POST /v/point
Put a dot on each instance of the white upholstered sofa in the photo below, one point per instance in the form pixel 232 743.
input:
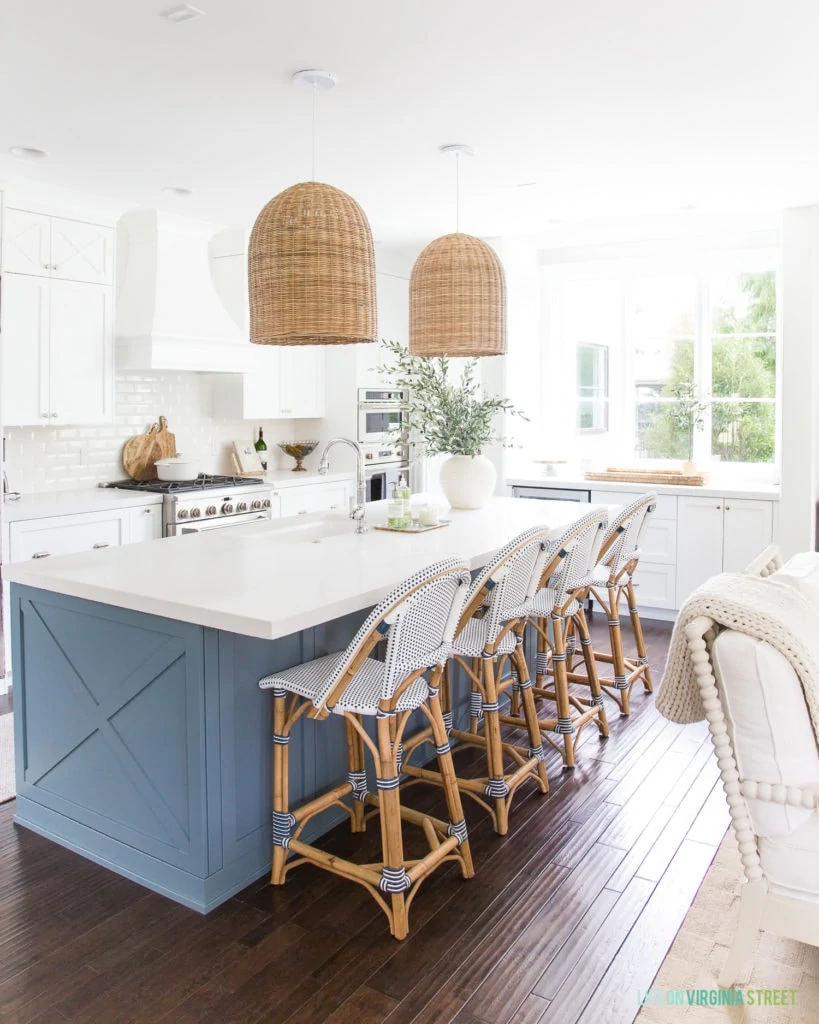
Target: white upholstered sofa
pixel 768 757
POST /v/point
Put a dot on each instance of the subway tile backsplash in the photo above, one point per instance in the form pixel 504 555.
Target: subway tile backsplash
pixel 65 458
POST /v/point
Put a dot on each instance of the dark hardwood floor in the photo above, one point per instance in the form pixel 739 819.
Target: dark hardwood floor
pixel 567 917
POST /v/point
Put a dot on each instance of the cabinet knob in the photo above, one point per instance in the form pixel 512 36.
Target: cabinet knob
pixel 102 544
pixel 53 415
pixel 41 554
pixel 727 508
pixel 147 511
pixel 302 512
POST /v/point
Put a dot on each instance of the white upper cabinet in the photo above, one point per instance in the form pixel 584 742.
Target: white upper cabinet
pixel 56 247
pixel 24 331
pixel 287 383
pixel 81 340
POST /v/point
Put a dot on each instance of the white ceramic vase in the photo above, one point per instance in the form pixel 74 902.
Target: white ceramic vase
pixel 689 467
pixel 468 482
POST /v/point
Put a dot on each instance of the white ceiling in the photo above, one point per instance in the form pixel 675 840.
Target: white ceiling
pixel 611 108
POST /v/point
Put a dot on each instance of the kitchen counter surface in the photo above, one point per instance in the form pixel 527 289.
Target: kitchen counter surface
pixel 712 489
pixel 274 578
pixel 287 478
pixel 63 503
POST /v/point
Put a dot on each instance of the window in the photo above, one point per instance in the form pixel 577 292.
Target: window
pixel 674 358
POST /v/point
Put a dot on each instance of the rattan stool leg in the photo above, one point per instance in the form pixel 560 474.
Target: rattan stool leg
pixel 637 629
pixel 394 882
pixel 449 782
pixel 542 661
pixel 497 788
pixel 618 659
pixel 530 715
pixel 591 672
pixel 564 725
pixel 280 785
pixel 356 768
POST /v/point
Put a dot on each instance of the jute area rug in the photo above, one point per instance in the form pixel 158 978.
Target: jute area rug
pixel 7 788
pixel 699 950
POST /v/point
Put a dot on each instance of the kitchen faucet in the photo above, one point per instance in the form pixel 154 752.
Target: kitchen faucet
pixel 356 510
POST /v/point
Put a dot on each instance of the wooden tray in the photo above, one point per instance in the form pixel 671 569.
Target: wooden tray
pixel 415 528
pixel 140 453
pixel 674 477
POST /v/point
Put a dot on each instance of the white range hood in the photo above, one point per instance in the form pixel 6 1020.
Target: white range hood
pixel 168 313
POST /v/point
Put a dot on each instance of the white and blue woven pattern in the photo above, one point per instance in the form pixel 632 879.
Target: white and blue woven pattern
pixel 627 530
pixel 579 547
pixel 474 638
pixel 418 619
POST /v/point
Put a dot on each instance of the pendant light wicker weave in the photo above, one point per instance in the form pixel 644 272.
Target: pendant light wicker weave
pixel 311 270
pixel 457 299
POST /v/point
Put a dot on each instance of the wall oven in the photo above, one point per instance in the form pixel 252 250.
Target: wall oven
pixel 382 414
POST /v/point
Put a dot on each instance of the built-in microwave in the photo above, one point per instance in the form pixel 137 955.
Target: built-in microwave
pixel 382 414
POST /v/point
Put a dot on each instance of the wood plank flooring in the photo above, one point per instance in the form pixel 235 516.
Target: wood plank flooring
pixel 567 917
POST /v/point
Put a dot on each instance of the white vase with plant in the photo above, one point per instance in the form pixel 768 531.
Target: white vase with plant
pixel 686 414
pixel 450 417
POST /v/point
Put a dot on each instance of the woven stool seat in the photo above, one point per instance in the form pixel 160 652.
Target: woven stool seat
pixel 471 642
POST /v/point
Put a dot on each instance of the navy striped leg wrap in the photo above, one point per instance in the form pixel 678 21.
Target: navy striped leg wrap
pixel 493 706
pixel 280 740
pixel 278 691
pixel 571 644
pixel 620 683
pixel 443 750
pixel 558 657
pixel 358 780
pixel 394 880
pixel 542 663
pixel 597 700
pixel 537 752
pixel 642 662
pixel 634 611
pixel 564 727
pixel 458 829
pixel 475 705
pixel 496 788
pixel 447 717
pixel 586 641
pixel 399 755
pixel 614 622
pixel 432 691
pixel 283 824
pixel 391 783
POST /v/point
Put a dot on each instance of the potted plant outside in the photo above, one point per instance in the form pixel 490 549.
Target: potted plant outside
pixel 451 417
pixel 686 414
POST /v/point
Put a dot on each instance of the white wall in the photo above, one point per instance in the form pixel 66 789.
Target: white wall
pixel 62 458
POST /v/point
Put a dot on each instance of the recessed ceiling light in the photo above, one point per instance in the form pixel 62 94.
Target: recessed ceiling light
pixel 183 12
pixel 173 190
pixel 27 153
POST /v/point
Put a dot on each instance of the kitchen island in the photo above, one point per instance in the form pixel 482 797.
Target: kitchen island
pixel 142 740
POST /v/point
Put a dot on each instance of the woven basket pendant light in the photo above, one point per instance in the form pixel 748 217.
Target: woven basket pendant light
pixel 457 293
pixel 311 262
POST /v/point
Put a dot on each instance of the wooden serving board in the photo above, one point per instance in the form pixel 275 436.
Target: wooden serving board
pixel 415 528
pixel 141 453
pixel 647 477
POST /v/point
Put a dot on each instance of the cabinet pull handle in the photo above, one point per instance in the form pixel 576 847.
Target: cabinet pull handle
pixel 333 506
pixel 41 554
pixel 302 512
pixel 146 511
pixel 727 508
pixel 102 544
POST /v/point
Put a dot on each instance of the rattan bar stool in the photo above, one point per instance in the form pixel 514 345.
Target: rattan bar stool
pixel 485 642
pixel 418 622
pixel 558 603
pixel 610 581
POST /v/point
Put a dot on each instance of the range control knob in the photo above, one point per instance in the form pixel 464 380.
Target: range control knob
pixel 266 503
pixel 255 504
pixel 196 513
pixel 210 510
pixel 227 508
pixel 182 514
pixel 242 506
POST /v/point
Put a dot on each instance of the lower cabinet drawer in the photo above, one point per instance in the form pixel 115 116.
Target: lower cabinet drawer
pixel 659 542
pixel 65 535
pixel 655 586
pixel 299 501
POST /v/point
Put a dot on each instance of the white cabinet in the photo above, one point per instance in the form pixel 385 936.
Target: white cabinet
pixel 287 383
pixel 329 497
pixel 57 247
pixel 24 333
pixel 718 535
pixel 64 535
pixel 144 524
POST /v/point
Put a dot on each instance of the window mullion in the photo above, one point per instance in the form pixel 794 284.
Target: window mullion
pixel 703 349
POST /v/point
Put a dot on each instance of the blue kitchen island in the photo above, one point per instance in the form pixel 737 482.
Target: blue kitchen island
pixel 142 739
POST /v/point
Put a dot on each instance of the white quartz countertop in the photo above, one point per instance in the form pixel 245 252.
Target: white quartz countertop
pixel 259 580
pixel 287 478
pixel 712 488
pixel 64 503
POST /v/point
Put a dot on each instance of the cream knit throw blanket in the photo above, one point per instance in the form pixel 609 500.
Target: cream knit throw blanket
pixel 763 608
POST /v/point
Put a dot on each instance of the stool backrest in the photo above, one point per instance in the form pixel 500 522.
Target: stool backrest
pixel 418 619
pixel 502 585
pixel 574 554
pixel 621 545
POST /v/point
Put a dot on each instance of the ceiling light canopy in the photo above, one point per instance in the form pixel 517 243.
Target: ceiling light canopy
pixel 28 153
pixel 457 292
pixel 311 261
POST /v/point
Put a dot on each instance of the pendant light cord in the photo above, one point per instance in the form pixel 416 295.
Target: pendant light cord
pixel 458 193
pixel 315 131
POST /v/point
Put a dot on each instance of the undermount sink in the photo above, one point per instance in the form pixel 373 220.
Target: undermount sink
pixel 310 529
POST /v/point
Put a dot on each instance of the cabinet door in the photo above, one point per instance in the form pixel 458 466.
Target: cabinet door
pixel 302 382
pixel 26 242
pixel 81 251
pixel 65 535
pixel 699 543
pixel 300 501
pixel 81 351
pixel 655 585
pixel 261 387
pixel 24 316
pixel 748 530
pixel 144 523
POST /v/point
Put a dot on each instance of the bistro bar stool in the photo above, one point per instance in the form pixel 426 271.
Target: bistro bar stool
pixel 610 581
pixel 558 603
pixel 417 621
pixel 485 642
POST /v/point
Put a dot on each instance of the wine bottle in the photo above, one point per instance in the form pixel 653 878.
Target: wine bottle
pixel 261 448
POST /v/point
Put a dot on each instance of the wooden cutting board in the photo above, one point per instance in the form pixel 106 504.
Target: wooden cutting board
pixel 141 453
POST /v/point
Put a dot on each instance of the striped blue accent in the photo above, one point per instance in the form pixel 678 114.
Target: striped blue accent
pixel 492 706
pixel 524 684
pixel 558 657
pixel 399 756
pixel 620 683
pixel 475 704
pixel 642 661
pixel 597 700
pixel 458 829
pixel 278 691
pixel 283 825
pixel 614 622
pixel 358 780
pixel 382 628
pixel 432 691
pixel 496 788
pixel 542 663
pixel 280 740
pixel 564 727
pixel 634 611
pixel 447 717
pixel 537 752
pixel 444 749
pixel 391 783
pixel 385 714
pixel 571 644
pixel 586 641
pixel 394 880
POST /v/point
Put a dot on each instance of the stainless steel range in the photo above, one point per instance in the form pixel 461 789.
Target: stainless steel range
pixel 206 503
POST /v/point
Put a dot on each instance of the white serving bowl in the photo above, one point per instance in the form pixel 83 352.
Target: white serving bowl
pixel 175 469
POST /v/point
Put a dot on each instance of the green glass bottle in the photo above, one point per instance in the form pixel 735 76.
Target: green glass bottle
pixel 261 448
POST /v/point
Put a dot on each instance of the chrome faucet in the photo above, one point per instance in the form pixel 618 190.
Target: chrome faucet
pixel 357 509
